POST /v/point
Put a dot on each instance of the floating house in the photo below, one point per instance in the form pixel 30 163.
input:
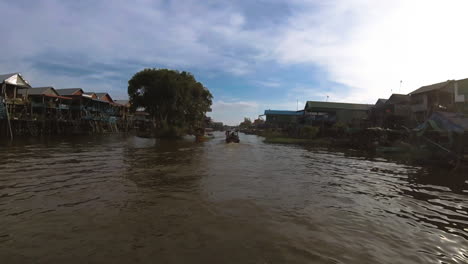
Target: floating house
pixel 282 118
pixel 316 112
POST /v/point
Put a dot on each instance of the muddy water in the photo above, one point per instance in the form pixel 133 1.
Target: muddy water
pixel 119 199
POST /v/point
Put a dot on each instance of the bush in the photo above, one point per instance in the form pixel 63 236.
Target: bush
pixel 338 129
pixel 270 133
pixel 310 131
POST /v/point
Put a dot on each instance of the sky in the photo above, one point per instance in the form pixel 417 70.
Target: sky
pixel 251 55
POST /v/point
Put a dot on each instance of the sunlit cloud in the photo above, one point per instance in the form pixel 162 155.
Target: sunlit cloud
pixel 370 46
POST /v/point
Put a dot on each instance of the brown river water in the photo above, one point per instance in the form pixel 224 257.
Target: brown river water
pixel 124 199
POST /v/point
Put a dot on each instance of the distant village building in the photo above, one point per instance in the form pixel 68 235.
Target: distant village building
pixel 330 113
pixel 259 123
pixel 105 97
pixel 124 109
pixel 11 101
pixel 70 91
pixel 451 95
pixel 11 83
pixel 393 112
pixel 218 126
pixel 282 118
pixel 44 103
pixel 380 101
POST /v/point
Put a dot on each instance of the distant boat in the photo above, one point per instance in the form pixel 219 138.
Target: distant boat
pixel 209 132
pixel 232 137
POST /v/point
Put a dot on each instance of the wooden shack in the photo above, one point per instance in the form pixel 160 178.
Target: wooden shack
pixel 11 103
pixel 11 86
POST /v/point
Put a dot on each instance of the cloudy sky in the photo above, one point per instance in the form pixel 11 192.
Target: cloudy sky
pixel 252 55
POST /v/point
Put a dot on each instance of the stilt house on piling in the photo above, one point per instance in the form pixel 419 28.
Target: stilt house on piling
pixel 450 96
pixel 76 101
pixel 45 110
pixel 440 112
pixel 12 101
pixel 45 104
pixel 393 112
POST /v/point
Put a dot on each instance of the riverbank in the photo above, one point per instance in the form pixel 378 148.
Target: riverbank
pixel 398 145
pixel 322 142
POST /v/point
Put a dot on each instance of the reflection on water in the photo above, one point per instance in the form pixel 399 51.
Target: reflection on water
pixel 125 199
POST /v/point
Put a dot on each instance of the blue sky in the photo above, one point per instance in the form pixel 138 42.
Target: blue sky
pixel 252 55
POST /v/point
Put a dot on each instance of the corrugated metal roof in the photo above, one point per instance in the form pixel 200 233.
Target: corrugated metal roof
pixel 44 91
pixel 381 101
pixel 428 88
pixel 282 112
pixel 398 98
pixel 99 100
pixel 35 91
pixel 3 77
pixel 18 81
pixel 101 95
pixel 68 91
pixel 333 105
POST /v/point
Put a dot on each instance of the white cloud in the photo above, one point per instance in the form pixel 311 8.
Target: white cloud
pixel 370 45
pixel 233 112
pixel 268 83
pixel 237 105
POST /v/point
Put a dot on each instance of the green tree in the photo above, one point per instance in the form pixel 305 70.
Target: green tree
pixel 247 123
pixel 175 100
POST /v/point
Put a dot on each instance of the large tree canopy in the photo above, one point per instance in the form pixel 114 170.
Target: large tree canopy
pixel 172 98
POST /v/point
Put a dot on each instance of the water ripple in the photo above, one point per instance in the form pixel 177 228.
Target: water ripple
pixel 110 199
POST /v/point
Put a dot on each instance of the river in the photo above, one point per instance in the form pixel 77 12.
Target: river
pixel 124 199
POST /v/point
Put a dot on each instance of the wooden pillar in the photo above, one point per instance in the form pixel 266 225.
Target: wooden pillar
pixel 7 112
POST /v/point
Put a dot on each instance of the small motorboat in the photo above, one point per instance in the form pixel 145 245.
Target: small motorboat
pixel 232 137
